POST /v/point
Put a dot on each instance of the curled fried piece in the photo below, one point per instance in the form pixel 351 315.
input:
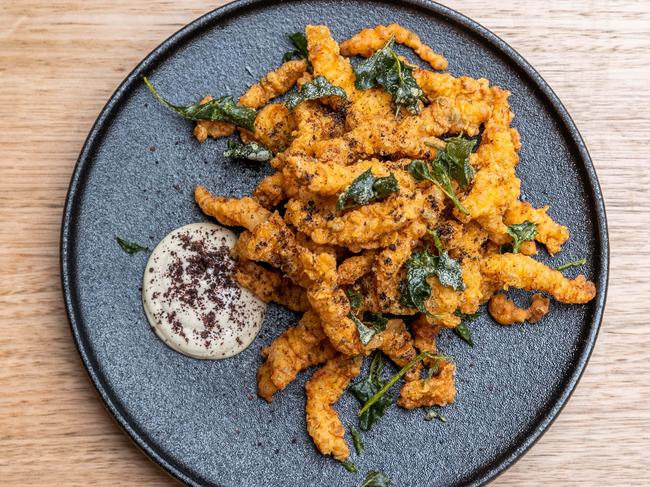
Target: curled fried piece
pixel 275 83
pixel 265 386
pixel 206 128
pixel 298 348
pixel 355 267
pixel 397 343
pixel 425 333
pixel 521 271
pixel 270 286
pixel 270 192
pixel 506 312
pixel 549 233
pixel 326 60
pixel 323 390
pixel 274 126
pixel 368 41
pixel 244 212
pixel 439 390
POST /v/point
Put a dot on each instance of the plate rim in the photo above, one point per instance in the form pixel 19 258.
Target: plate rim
pixel 167 47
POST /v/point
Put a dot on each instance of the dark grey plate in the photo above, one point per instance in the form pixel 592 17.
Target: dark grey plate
pixel 202 420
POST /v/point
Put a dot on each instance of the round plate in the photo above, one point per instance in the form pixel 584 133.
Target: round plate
pixel 201 420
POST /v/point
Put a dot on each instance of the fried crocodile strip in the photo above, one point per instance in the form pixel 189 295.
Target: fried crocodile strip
pixel 265 386
pixel 296 349
pixel 439 390
pixel 332 179
pixel 424 336
pixel 274 243
pixel 388 264
pixel 269 286
pixel 355 267
pixel 206 128
pixel 270 191
pixel 323 390
pixel 397 343
pixel 506 312
pixel 523 272
pixel 368 41
pixel 467 101
pixel 273 84
pixel 495 186
pixel 313 123
pixel 549 233
pixel 333 308
pixel 244 212
pixel 361 228
pixel 274 126
pixel 327 61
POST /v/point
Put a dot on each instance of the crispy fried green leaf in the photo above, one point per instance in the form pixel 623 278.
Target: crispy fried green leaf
pixel 462 330
pixel 456 155
pixel 222 109
pixel 356 440
pixel 415 290
pixel 299 41
pixel 367 189
pixel 350 467
pixel 318 88
pixel 520 233
pixel 575 263
pixel 355 298
pixel 436 173
pixel 368 329
pixel 433 414
pixel 376 479
pixel 403 371
pixel 385 68
pixel 367 388
pixel 130 247
pixel 251 151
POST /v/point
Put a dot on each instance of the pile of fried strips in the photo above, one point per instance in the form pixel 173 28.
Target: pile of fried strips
pixel 299 249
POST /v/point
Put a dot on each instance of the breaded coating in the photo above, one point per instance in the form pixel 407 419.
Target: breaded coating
pixel 296 349
pixel 506 312
pixel 549 233
pixel 397 343
pixel 438 390
pixel 274 126
pixel 270 191
pixel 523 272
pixel 244 212
pixel 300 250
pixel 361 228
pixel 270 286
pixel 275 83
pixel 326 59
pixel 206 128
pixel 323 390
pixel 265 386
pixel 355 267
pixel 368 41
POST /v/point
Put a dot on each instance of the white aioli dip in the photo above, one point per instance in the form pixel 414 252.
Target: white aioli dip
pixel 191 299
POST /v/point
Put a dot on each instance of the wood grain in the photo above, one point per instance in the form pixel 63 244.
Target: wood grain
pixel 59 62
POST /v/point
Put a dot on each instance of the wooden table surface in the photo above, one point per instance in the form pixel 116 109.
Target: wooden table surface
pixel 59 62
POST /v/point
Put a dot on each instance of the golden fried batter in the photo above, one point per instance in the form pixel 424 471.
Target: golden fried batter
pixel 311 253
pixel 270 286
pixel 368 41
pixel 275 83
pixel 323 390
pixel 549 233
pixel 523 272
pixel 506 312
pixel 438 390
pixel 298 348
